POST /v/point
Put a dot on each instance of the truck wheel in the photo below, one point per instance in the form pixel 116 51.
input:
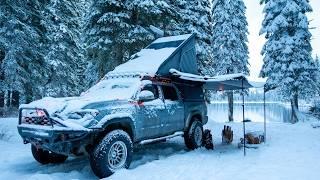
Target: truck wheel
pixel 194 136
pixel 45 157
pixel 114 152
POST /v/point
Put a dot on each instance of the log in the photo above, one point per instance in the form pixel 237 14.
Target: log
pixel 207 140
pixel 254 138
pixel 227 135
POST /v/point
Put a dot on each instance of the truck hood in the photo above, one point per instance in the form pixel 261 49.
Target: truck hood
pixel 75 111
pixel 106 90
pixel 68 105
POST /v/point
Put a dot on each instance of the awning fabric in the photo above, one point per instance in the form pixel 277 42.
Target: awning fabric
pixel 221 83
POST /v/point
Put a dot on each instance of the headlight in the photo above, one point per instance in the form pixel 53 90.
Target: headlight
pixel 83 113
pixel 40 113
pixel 34 117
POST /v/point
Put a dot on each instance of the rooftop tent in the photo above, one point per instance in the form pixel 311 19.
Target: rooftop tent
pixel 183 58
pixel 160 56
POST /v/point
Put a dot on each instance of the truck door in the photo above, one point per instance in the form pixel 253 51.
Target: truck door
pixel 149 113
pixel 173 121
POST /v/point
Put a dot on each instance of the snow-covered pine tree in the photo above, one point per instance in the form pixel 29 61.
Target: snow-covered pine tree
pixel 317 63
pixel 107 25
pixel 130 32
pixel 287 52
pixel 317 66
pixel 230 31
pixel 64 53
pixel 22 47
pixel 195 17
pixel 117 29
pixel 143 14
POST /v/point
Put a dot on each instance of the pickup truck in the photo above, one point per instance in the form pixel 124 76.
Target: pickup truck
pixel 108 120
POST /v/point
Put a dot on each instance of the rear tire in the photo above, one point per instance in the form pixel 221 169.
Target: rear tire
pixel 46 157
pixel 114 152
pixel 193 138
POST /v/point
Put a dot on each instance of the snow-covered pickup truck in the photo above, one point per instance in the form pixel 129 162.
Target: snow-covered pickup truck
pixel 122 110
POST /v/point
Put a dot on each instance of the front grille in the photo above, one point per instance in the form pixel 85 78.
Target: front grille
pixel 44 121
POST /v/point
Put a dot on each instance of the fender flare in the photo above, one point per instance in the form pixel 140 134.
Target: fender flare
pixel 190 116
pixel 122 118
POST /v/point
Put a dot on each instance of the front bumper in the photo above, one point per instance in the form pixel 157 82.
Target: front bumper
pixel 56 139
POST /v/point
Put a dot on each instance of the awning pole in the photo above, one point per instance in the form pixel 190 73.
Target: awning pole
pixel 264 115
pixel 243 121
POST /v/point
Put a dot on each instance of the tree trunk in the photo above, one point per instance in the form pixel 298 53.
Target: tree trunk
pixel 6 99
pixel 28 93
pixel 101 70
pixel 10 99
pixel 294 108
pixel 230 106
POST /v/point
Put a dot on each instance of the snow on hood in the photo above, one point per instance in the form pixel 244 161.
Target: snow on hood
pixel 105 90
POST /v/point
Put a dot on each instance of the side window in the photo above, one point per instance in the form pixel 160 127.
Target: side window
pixel 153 88
pixel 170 93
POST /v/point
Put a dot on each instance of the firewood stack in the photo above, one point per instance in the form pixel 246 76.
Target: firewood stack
pixel 207 140
pixel 254 138
pixel 227 135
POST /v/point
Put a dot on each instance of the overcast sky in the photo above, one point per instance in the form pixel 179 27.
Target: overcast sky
pixel 255 17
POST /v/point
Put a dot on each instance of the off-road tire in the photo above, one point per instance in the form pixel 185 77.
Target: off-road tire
pixel 46 157
pixel 99 157
pixel 190 135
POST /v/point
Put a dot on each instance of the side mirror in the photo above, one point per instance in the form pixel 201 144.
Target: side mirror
pixel 145 96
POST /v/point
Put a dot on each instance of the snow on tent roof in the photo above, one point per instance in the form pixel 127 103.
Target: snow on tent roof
pixel 164 53
pixel 172 38
pixel 147 60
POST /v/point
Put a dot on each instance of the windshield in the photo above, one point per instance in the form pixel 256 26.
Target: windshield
pixel 110 89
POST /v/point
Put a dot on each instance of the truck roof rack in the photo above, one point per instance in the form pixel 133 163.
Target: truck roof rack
pixel 113 75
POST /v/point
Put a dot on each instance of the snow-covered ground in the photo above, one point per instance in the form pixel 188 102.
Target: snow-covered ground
pixel 291 152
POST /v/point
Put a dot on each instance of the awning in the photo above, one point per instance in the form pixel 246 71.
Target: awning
pixel 228 82
pixel 221 83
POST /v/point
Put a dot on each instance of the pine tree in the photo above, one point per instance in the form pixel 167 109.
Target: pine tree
pixel 143 14
pixel 40 48
pixel 317 66
pixel 195 17
pixel 107 24
pixel 64 53
pixel 317 62
pixel 117 29
pixel 22 45
pixel 132 31
pixel 287 52
pixel 230 31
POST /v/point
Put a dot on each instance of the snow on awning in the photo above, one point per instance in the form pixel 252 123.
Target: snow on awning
pixel 220 83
